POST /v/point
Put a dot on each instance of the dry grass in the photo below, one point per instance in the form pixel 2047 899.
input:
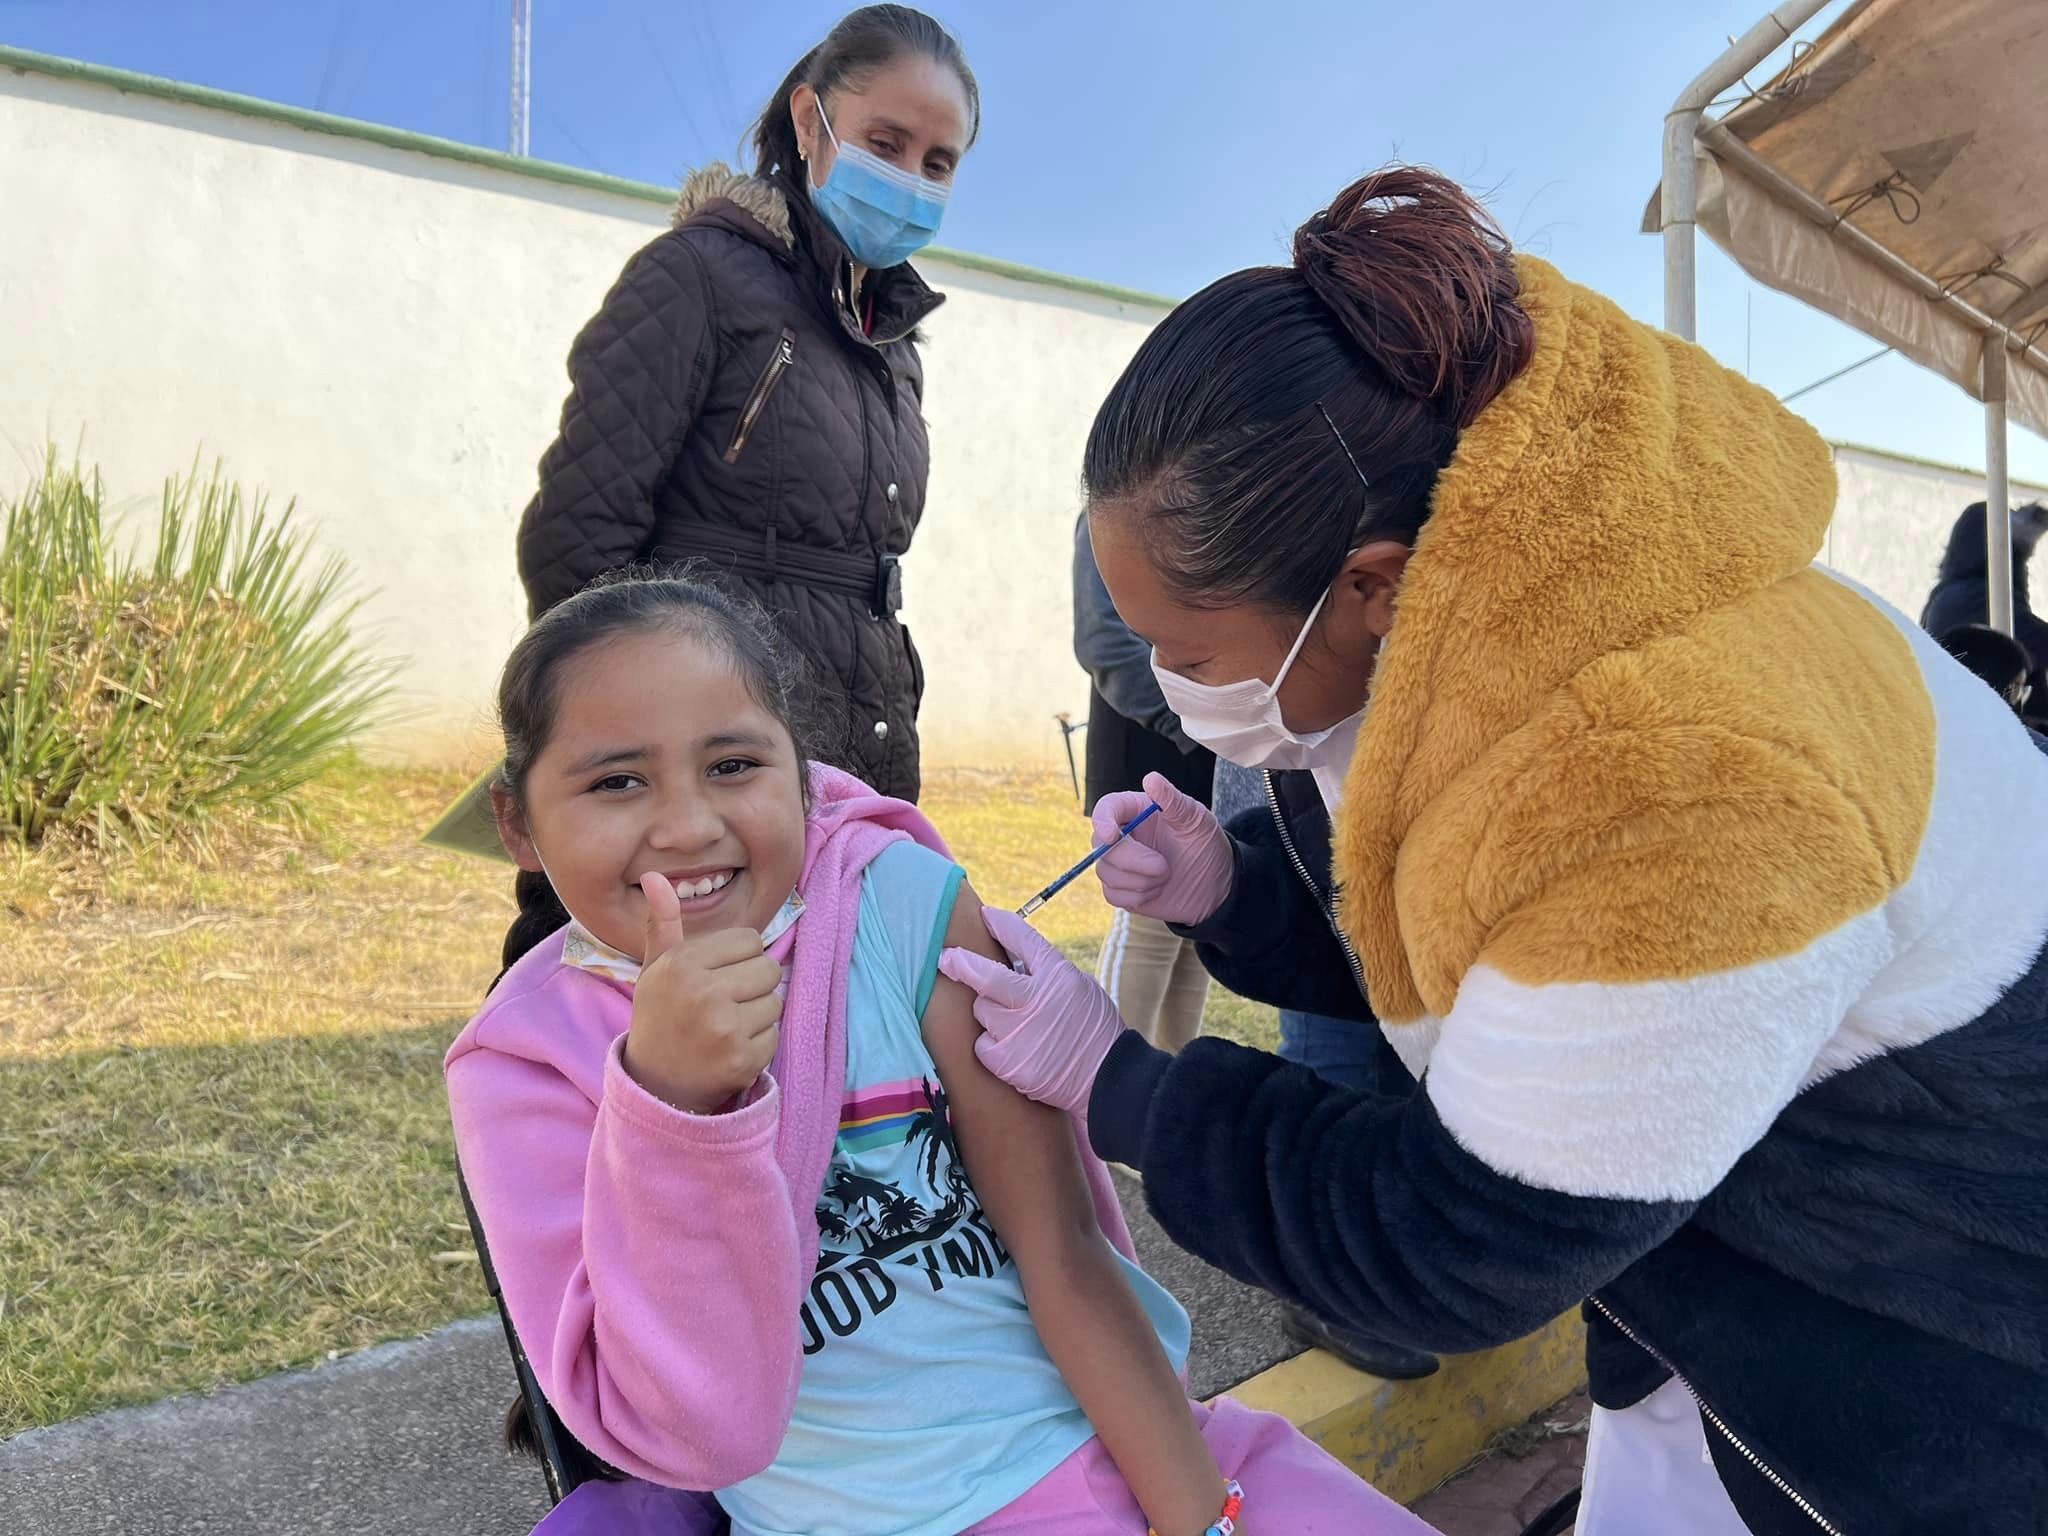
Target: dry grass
pixel 223 1146
pixel 223 1142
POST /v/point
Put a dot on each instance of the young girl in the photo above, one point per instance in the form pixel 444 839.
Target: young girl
pixel 764 1224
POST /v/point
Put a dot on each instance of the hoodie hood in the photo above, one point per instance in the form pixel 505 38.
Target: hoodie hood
pixel 759 210
pixel 1621 488
pixel 750 206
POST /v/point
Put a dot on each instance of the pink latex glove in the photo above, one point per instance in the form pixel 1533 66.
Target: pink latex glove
pixel 1176 868
pixel 1045 1024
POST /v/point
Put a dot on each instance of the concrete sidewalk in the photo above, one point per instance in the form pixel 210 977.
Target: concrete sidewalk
pixel 398 1439
pixel 403 1439
pixel 1521 1475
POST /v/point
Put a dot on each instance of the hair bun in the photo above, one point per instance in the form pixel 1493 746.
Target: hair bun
pixel 1423 281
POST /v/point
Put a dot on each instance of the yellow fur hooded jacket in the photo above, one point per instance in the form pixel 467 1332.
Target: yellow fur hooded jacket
pixel 1706 898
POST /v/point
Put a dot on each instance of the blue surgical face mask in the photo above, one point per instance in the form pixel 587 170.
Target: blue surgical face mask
pixel 885 214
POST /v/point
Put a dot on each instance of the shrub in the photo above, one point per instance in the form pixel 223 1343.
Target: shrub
pixel 151 693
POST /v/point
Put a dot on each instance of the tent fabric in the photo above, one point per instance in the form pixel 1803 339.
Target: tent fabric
pixel 1919 122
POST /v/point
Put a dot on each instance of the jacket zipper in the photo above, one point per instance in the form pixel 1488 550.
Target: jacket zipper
pixel 1798 1499
pixel 1301 869
pixel 785 354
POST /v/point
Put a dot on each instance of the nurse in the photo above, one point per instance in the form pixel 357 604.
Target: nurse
pixel 1703 896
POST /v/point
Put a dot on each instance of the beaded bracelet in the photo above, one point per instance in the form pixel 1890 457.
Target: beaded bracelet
pixel 1226 1523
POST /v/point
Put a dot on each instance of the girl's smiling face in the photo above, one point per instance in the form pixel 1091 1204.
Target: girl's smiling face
pixel 661 761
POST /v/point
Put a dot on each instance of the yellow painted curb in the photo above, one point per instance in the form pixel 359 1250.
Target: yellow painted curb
pixel 1405 1437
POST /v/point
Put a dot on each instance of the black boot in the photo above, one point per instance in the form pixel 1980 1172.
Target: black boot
pixel 1376 1357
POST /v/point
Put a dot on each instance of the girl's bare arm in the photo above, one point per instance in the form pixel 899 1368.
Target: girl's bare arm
pixel 1024 1165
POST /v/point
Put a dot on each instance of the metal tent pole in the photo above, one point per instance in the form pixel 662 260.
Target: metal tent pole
pixel 1685 124
pixel 1680 204
pixel 1997 489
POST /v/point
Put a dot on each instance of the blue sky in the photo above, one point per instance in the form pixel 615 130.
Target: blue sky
pixel 1141 142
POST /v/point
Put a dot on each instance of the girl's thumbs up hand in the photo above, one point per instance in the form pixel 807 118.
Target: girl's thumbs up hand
pixel 705 1015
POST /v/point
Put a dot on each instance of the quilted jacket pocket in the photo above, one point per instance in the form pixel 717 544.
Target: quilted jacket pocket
pixel 757 398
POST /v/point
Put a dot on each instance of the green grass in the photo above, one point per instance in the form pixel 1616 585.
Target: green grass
pixel 223 1140
pixel 213 676
pixel 224 1146
pixel 185 1215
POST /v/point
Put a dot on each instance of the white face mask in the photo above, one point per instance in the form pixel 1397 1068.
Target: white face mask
pixel 584 951
pixel 1241 722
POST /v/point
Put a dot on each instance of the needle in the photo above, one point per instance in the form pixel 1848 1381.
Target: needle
pixel 1067 879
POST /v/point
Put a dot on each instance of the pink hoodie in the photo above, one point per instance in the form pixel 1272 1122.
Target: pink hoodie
pixel 654 1261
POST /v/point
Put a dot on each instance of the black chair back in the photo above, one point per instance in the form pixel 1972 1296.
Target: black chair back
pixel 558 1464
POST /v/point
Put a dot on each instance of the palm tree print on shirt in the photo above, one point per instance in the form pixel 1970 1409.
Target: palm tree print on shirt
pixel 934 1127
pixel 879 1212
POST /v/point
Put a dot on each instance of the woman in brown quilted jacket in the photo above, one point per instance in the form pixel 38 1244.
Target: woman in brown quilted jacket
pixel 750 394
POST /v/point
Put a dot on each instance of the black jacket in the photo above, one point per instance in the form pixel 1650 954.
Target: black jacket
pixel 1961 592
pixel 724 406
pixel 1282 902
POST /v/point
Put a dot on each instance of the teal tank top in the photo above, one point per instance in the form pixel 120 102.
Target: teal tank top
pixel 927 1401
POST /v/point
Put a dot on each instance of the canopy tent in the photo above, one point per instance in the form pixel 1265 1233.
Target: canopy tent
pixel 1893 174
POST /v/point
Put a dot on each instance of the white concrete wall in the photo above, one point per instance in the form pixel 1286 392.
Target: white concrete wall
pixel 381 333
pixel 1012 380
pixel 1892 518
